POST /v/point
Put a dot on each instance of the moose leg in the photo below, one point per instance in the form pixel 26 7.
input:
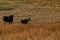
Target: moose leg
pixel 9 22
pixel 4 22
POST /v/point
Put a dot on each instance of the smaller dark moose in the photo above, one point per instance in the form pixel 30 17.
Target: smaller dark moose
pixel 8 19
pixel 25 21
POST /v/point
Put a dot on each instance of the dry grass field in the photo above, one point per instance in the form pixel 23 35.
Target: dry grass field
pixel 18 31
pixel 45 20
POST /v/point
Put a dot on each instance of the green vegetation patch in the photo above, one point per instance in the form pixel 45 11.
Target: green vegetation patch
pixel 6 8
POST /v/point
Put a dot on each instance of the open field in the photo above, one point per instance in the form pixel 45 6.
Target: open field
pixel 45 20
pixel 18 31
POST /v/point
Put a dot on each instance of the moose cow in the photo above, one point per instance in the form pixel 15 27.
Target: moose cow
pixel 8 19
pixel 25 21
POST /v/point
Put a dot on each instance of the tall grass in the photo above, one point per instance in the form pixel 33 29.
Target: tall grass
pixel 26 32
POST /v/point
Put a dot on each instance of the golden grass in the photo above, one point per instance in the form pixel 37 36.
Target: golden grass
pixel 53 3
pixel 17 31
